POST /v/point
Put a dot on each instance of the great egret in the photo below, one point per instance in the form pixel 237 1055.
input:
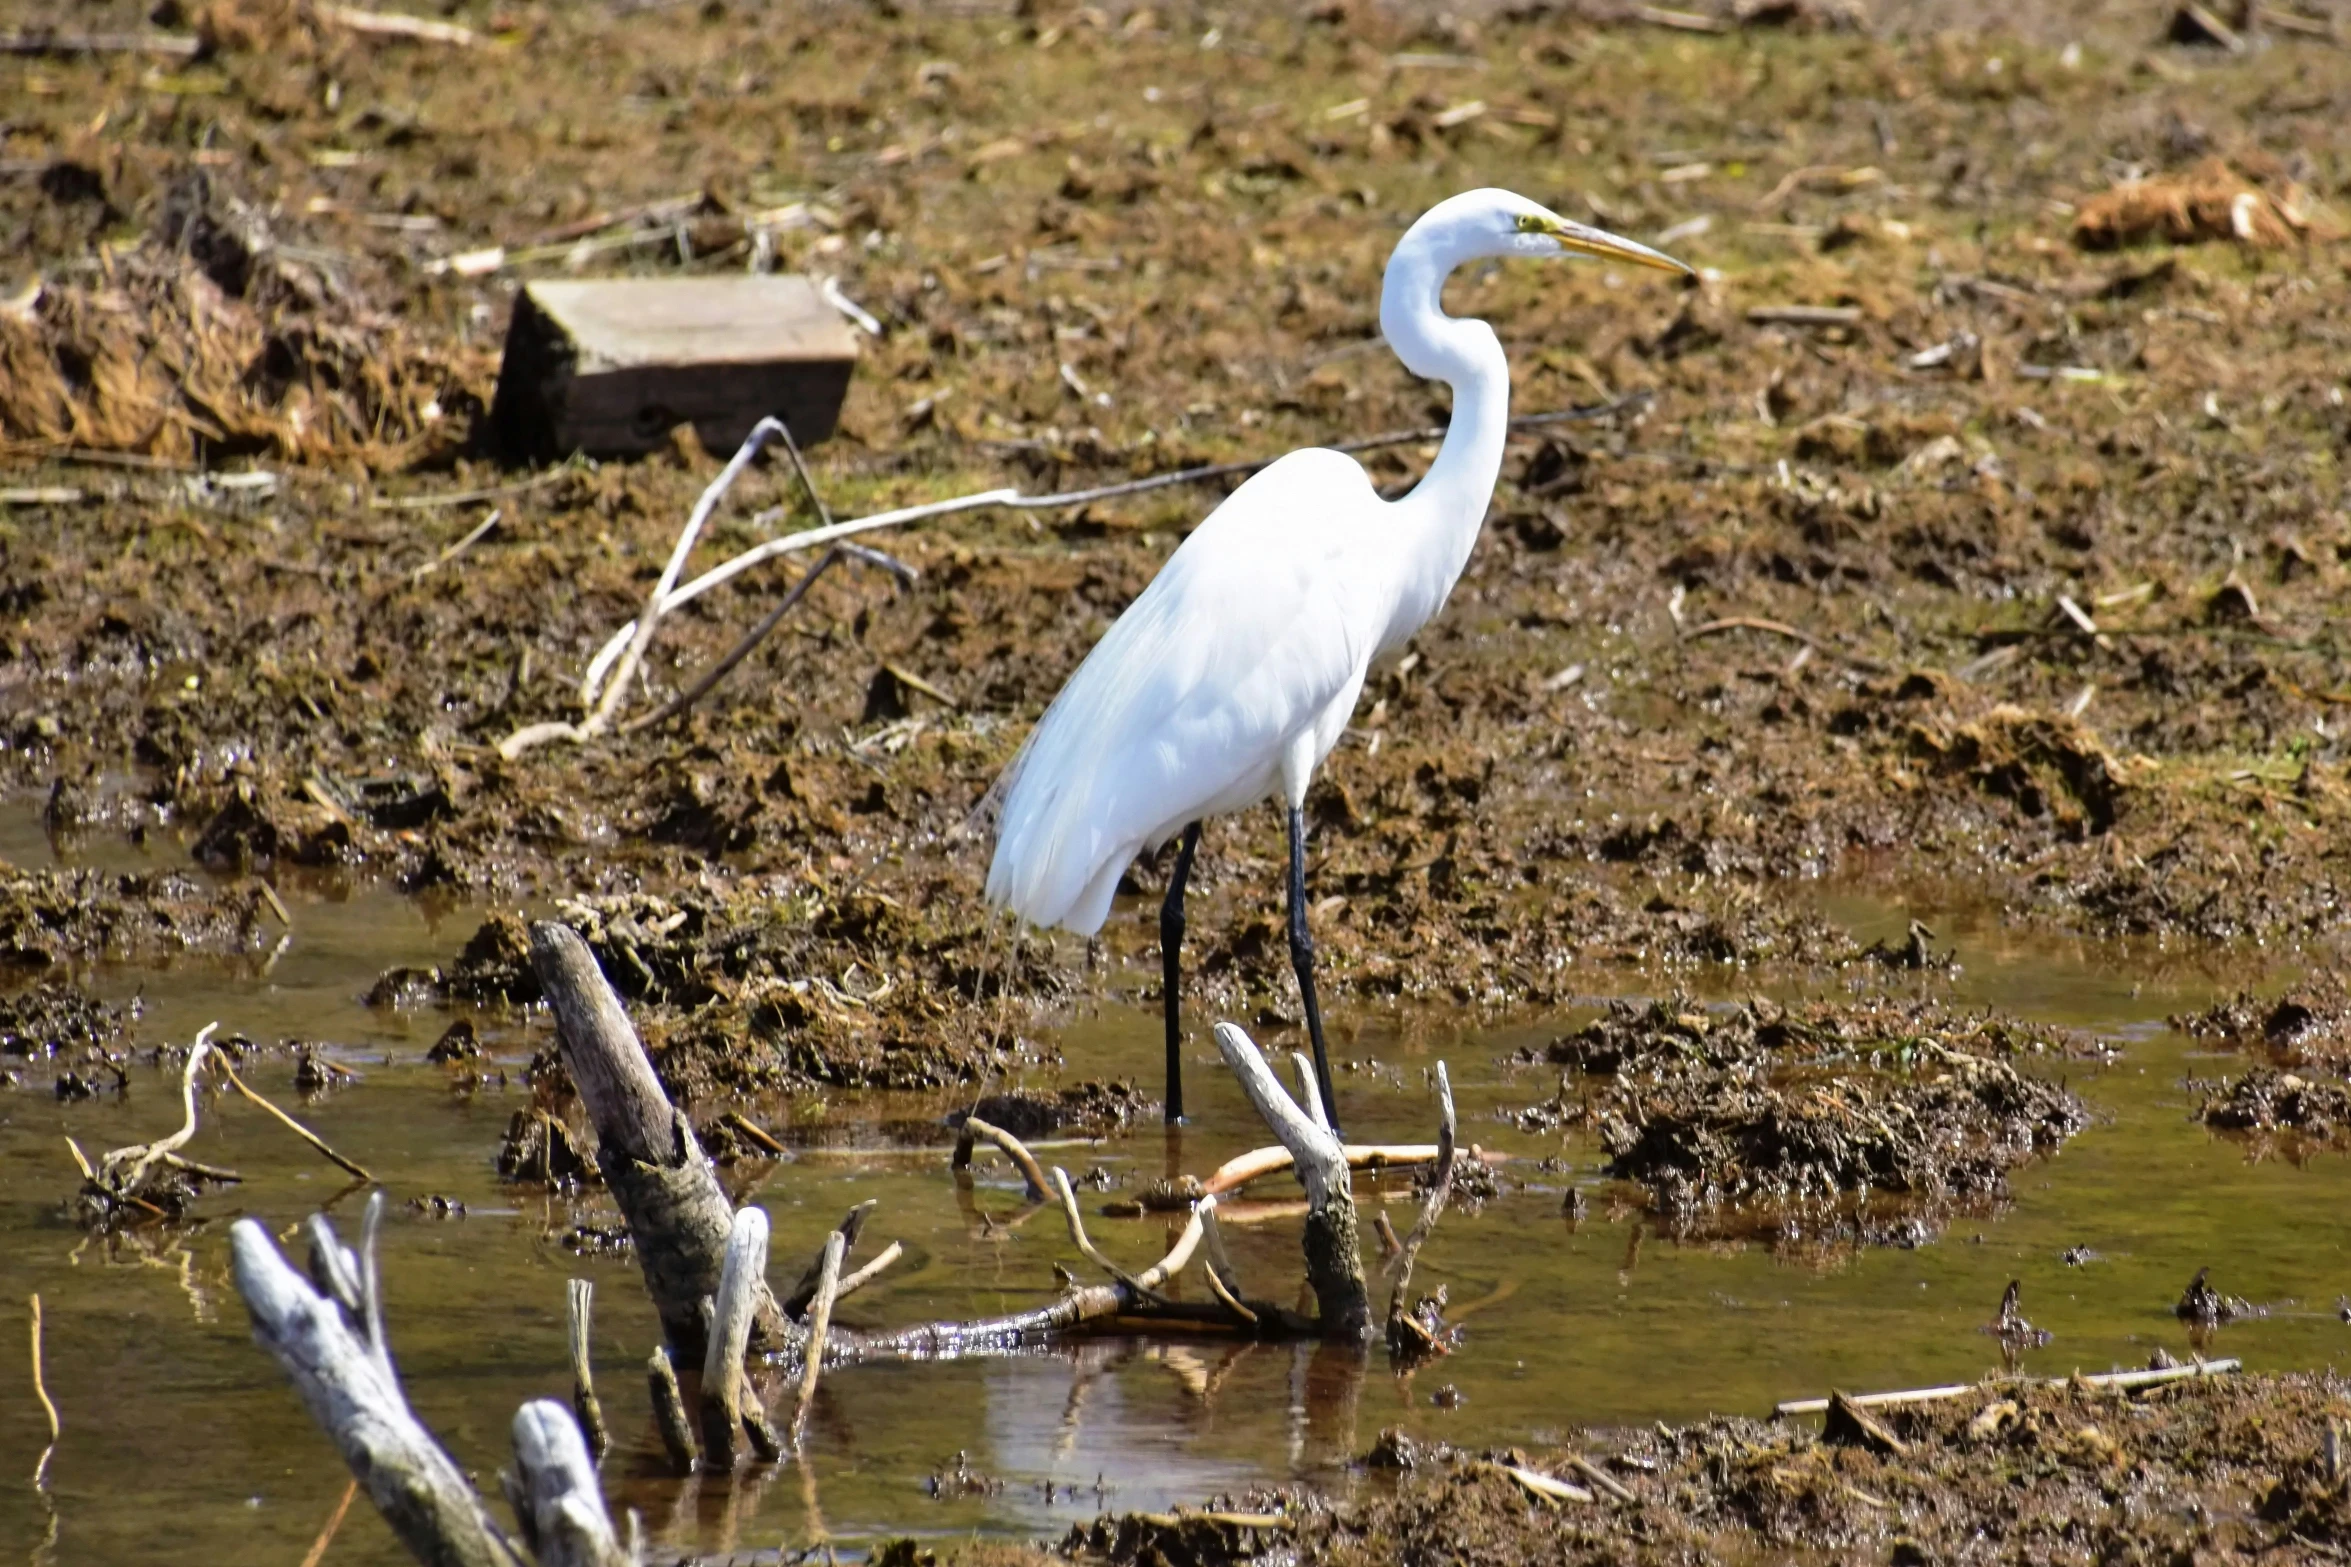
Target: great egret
pixel 1233 674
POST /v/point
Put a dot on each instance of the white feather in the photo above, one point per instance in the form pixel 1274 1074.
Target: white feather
pixel 1255 628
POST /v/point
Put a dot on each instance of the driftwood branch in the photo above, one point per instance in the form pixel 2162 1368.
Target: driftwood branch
pixel 555 1496
pixel 974 1128
pixel 1334 1266
pixel 353 1396
pixel 2118 1380
pixel 677 1214
pixel 723 1379
pixel 820 1321
pixel 669 1409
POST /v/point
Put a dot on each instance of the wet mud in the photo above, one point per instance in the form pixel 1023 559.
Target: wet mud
pixel 2230 1468
pixel 1788 1109
pixel 2022 566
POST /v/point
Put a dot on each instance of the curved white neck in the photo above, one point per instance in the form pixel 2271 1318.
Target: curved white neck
pixel 1445 511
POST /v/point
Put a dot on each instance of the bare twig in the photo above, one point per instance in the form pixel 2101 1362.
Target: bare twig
pixel 1434 1207
pixel 1014 1149
pixel 757 634
pixel 820 1320
pixel 753 1133
pixel 1258 1163
pixel 334 1524
pixel 144 1156
pixel 852 1226
pixel 41 1392
pixel 1928 1395
pixel 579 1297
pixel 391 24
pixel 1079 1238
pixel 1782 629
pixel 870 1272
pixel 474 536
pixel 292 1125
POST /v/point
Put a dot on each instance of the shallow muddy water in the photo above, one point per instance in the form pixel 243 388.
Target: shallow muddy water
pixel 181 1443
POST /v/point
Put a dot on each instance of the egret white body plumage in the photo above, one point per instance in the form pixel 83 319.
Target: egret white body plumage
pixel 1231 677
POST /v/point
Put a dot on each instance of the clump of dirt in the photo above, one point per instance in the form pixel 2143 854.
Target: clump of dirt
pixel 2267 1100
pixel 2204 1306
pixel 540 1149
pixel 50 1018
pixel 1090 1109
pixel 1709 1109
pixel 61 916
pixel 2308 1024
pixel 2011 1471
pixel 2211 201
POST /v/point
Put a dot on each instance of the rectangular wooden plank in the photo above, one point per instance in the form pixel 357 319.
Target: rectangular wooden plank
pixel 609 366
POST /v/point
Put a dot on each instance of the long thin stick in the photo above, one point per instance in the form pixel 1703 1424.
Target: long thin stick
pixel 579 1299
pixel 128 1186
pixel 1777 628
pixel 870 1272
pixel 664 602
pixel 1929 1395
pixel 292 1125
pixel 40 1386
pixel 820 1321
pixel 1014 1149
pixel 478 533
pixel 1258 1163
pixel 759 633
pixel 658 604
pixel 326 1536
pixel 1077 1234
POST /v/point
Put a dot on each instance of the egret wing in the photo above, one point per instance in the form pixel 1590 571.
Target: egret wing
pixel 1253 627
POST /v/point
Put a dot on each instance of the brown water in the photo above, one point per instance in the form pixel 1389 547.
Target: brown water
pixel 182 1443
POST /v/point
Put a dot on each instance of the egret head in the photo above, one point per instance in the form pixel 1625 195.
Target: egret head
pixel 1493 223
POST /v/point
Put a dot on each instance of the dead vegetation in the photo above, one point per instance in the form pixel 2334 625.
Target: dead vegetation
pixel 1819 1105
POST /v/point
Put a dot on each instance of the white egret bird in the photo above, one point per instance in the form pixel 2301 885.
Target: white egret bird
pixel 1232 675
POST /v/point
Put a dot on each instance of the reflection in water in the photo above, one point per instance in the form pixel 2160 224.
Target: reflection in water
pixel 181 1443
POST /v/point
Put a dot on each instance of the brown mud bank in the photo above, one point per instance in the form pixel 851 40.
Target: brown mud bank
pixel 2223 1468
pixel 1929 535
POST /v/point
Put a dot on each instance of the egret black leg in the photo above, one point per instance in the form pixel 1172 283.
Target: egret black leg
pixel 1171 968
pixel 1302 959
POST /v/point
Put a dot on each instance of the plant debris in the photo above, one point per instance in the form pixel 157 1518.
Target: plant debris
pixel 1706 1109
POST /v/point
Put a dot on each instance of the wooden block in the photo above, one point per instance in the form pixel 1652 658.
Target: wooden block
pixel 610 366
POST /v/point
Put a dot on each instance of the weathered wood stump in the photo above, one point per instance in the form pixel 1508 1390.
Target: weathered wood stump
pixel 654 1167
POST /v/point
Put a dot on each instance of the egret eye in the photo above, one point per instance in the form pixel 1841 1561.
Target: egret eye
pixel 1532 223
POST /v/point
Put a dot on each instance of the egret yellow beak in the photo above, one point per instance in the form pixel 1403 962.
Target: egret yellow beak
pixel 1576 239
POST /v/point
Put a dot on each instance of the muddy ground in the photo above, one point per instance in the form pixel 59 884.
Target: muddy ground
pixel 2224 1469
pixel 2010 565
